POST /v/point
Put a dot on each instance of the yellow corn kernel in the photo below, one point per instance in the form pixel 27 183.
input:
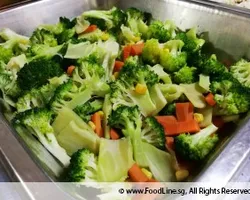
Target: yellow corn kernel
pixel 147 173
pixel 101 113
pixel 140 89
pixel 105 36
pixel 198 117
pixel 137 39
pixel 116 74
pixel 181 174
pixel 92 125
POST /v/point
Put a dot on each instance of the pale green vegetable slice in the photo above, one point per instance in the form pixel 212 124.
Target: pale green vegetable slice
pixel 160 163
pixel 114 160
pixel 194 94
pixel 204 82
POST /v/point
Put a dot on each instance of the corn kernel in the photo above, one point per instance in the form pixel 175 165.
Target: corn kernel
pixel 101 113
pixel 198 117
pixel 105 36
pixel 147 173
pixel 140 89
pixel 116 74
pixel 137 39
pixel 92 125
pixel 181 174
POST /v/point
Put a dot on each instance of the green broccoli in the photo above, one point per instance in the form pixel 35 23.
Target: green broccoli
pixel 169 109
pixel 164 77
pixel 191 42
pixel 231 98
pixel 124 89
pixel 138 20
pixel 94 36
pixel 90 107
pixel 241 71
pixel 37 121
pixel 106 19
pixel 209 65
pixel 69 95
pixel 128 119
pixel 83 167
pixel 153 133
pixel 42 36
pixel 68 30
pixel 151 52
pixel 37 72
pixel 171 56
pixel 171 92
pixel 18 43
pixel 185 75
pixel 161 31
pixel 39 97
pixel 197 146
pixel 91 75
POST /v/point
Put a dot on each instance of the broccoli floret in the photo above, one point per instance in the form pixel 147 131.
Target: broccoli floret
pixel 136 24
pixel 69 95
pixel 37 121
pixel 185 75
pixel 128 119
pixel 171 57
pixel 94 36
pixel 169 109
pixel 161 31
pixel 209 65
pixel 153 132
pixel 128 36
pixel 68 30
pixel 8 85
pixel 90 107
pixel 39 97
pixel 91 75
pixel 42 36
pixel 241 71
pixel 164 77
pixel 83 167
pixel 37 72
pixel 231 98
pixel 18 43
pixel 123 90
pixel 151 52
pixel 106 19
pixel 197 146
pixel 191 42
pixel 171 92
pixel 168 54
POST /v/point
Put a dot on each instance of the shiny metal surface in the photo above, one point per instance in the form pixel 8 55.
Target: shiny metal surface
pixel 226 28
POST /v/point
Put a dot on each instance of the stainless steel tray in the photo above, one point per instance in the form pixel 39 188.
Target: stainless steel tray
pixel 226 28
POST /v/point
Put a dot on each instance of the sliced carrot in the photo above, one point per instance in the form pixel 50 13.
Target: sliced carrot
pixel 169 123
pixel 90 29
pixel 165 118
pixel 210 99
pixel 170 142
pixel 190 126
pixel 126 52
pixel 118 66
pixel 114 135
pixel 136 174
pixel 70 70
pixel 97 120
pixel 136 49
pixel 184 111
pixel 218 121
